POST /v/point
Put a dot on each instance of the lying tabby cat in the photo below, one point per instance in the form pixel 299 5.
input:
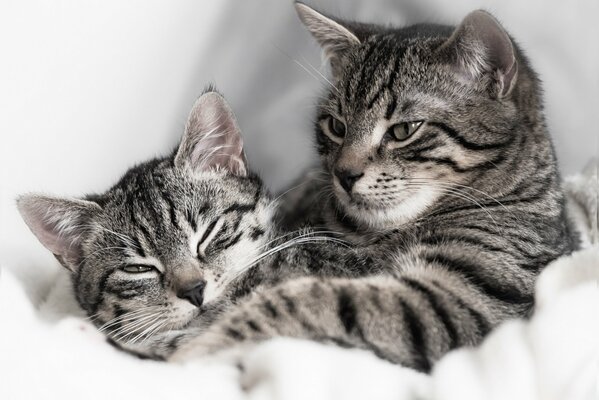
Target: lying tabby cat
pixel 416 114
pixel 177 240
pixel 439 165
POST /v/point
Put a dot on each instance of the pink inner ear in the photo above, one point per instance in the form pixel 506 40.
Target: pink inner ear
pixel 212 139
pixel 48 224
pixel 56 242
pixel 219 147
pixel 57 223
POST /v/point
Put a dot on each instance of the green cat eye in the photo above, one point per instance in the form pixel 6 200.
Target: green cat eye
pixel 137 268
pixel 336 127
pixel 404 130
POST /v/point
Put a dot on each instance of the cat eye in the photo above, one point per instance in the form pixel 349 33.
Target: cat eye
pixel 137 268
pixel 404 130
pixel 207 233
pixel 336 127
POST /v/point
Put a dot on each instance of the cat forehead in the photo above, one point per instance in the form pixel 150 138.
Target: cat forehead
pixel 160 192
pixel 417 42
pixel 404 82
pixel 161 177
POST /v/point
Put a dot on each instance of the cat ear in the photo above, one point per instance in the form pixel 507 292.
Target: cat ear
pixel 212 139
pixel 481 46
pixel 332 36
pixel 59 224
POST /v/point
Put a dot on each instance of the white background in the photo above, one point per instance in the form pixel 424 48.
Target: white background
pixel 87 88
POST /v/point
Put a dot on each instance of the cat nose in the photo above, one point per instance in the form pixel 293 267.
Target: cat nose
pixel 195 294
pixel 347 178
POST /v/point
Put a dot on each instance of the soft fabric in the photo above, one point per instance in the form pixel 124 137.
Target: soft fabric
pixel 48 349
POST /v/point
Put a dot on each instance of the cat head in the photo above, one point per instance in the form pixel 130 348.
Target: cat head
pixel 160 247
pixel 414 114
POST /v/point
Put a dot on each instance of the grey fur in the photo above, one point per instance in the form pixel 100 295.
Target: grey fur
pixel 195 216
pixel 458 219
pixel 416 281
pixel 155 216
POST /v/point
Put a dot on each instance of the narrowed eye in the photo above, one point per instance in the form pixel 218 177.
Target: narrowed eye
pixel 336 127
pixel 404 130
pixel 137 268
pixel 207 233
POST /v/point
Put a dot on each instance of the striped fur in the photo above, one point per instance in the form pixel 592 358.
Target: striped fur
pixel 439 240
pixel 455 222
pixel 196 216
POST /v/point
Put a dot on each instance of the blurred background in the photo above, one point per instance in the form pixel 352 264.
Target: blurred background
pixel 88 88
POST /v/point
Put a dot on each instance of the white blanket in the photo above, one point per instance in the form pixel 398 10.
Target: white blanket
pixel 48 349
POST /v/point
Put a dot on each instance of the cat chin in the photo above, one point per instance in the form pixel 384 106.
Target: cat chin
pixel 402 212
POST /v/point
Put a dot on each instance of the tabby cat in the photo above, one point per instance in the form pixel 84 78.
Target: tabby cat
pixel 178 239
pixel 439 166
pixel 441 175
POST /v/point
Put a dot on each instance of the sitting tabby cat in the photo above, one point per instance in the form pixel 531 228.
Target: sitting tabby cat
pixel 435 150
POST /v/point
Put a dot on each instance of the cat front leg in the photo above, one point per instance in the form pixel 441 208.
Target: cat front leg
pixel 411 319
pixel 283 310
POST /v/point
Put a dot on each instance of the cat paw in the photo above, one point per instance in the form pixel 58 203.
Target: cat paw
pixel 209 346
pixel 199 353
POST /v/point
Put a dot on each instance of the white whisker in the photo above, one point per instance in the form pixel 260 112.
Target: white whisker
pixel 276 249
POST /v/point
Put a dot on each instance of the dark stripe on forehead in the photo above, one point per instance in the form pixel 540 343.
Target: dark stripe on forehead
pixel 395 69
pixel 368 67
pixel 139 222
pixel 147 208
pixel 406 105
pixel 191 220
pixel 167 202
pixel 376 97
pixel 191 215
pixel 138 246
pixel 387 62
pixel 388 85
pixel 171 209
pixel 361 65
pixel 391 106
pixel 205 207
